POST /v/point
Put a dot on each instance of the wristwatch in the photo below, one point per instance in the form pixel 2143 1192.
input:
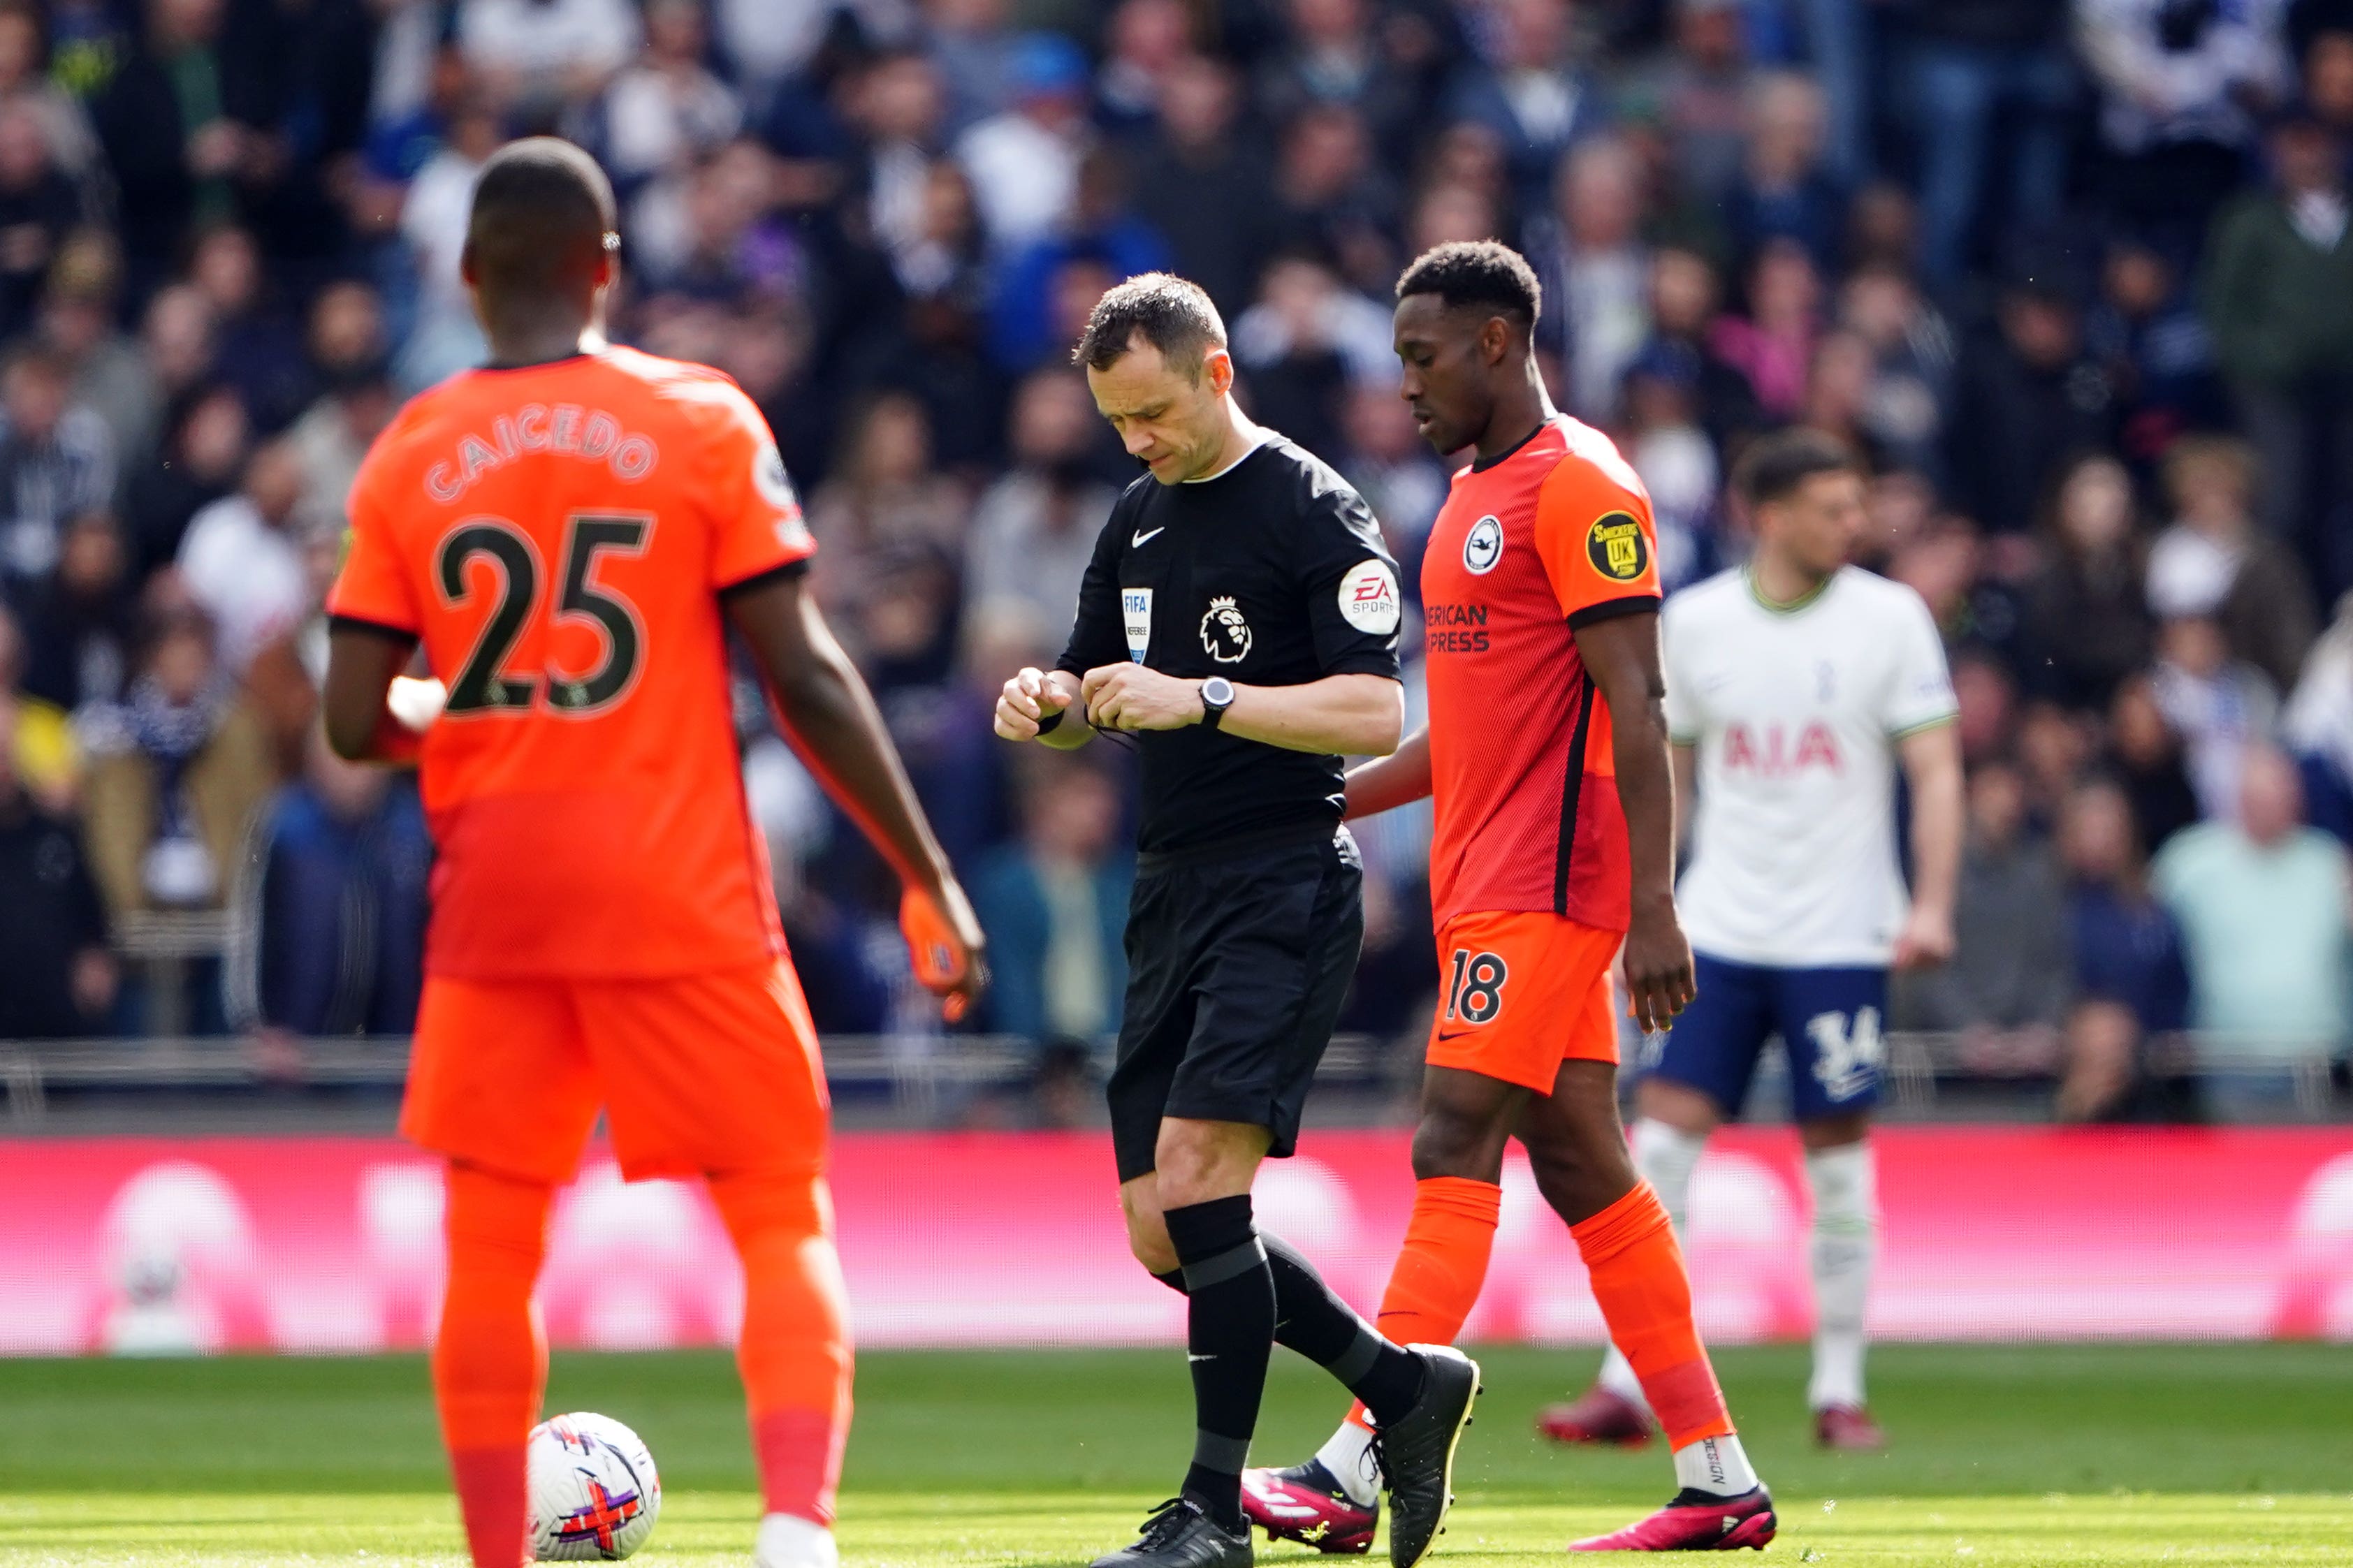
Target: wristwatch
pixel 1216 696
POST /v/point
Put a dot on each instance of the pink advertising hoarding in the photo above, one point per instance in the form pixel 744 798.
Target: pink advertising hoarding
pixel 330 1244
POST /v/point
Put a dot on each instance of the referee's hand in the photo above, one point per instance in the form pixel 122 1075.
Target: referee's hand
pixel 1029 699
pixel 1133 697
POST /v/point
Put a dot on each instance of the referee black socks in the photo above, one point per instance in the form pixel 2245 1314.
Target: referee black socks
pixel 1230 1335
pixel 1312 1320
pixel 1316 1323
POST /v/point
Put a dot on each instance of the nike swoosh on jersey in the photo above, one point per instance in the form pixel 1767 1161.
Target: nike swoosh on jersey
pixel 1138 541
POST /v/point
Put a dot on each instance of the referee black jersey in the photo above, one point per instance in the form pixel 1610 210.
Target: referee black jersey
pixel 1272 574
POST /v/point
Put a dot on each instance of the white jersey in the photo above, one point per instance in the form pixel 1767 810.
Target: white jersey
pixel 1795 713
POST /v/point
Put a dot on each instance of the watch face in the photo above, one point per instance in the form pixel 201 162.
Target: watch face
pixel 1217 690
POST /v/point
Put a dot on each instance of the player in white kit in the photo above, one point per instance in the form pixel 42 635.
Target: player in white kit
pixel 1795 686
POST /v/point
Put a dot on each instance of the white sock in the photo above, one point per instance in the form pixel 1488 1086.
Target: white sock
pixel 1348 1455
pixel 788 1541
pixel 1845 1245
pixel 1617 1375
pixel 1664 1157
pixel 1716 1464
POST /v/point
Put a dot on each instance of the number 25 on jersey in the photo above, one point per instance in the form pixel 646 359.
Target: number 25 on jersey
pixel 485 684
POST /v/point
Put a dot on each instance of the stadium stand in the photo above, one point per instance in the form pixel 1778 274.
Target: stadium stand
pixel 2076 278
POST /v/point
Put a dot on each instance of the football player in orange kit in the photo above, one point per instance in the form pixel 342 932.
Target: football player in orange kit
pixel 1553 847
pixel 561 530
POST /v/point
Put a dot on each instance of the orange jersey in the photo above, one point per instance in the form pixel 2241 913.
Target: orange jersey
pixel 1550 536
pixel 558 537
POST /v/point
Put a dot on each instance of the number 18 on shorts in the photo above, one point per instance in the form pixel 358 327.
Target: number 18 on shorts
pixel 1475 992
pixel 1524 991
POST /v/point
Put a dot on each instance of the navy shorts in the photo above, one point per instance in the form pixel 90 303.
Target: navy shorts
pixel 1828 1021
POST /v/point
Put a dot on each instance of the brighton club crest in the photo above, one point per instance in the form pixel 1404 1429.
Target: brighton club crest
pixel 1224 633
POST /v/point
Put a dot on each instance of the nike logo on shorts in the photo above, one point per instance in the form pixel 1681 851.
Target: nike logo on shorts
pixel 1137 541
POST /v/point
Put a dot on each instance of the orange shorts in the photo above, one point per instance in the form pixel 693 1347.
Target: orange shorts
pixel 697 1075
pixel 1522 992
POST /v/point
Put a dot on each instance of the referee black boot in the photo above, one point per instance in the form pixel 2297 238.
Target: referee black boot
pixel 1416 1452
pixel 1179 1534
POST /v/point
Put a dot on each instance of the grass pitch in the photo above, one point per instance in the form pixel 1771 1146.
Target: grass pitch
pixel 2210 1455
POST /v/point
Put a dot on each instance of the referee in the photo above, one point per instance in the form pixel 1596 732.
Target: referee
pixel 1240 616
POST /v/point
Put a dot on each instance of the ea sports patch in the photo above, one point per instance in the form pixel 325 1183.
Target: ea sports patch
pixel 1616 547
pixel 1369 598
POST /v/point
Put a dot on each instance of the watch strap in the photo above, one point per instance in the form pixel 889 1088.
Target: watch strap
pixel 1213 714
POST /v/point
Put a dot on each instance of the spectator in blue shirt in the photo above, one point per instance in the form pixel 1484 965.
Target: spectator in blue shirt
pixel 1529 92
pixel 1025 329
pixel 1054 904
pixel 1784 190
pixel 332 905
pixel 2130 984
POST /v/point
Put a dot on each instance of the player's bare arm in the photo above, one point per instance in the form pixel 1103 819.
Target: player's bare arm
pixel 1031 705
pixel 831 720
pixel 371 710
pixel 1386 782
pixel 1932 767
pixel 1344 715
pixel 1622 654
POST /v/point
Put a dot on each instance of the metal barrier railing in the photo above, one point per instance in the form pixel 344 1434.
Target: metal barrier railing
pixel 923 1078
pixel 922 1075
pixel 915 1074
pixel 161 944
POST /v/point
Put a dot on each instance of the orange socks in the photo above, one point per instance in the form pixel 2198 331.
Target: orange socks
pixel 795 1352
pixel 1646 1298
pixel 489 1360
pixel 1442 1266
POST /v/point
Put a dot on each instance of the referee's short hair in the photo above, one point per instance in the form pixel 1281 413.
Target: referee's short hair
pixel 1774 466
pixel 1171 313
pixel 1477 272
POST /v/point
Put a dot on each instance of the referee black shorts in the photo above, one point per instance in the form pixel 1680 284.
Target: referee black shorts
pixel 1238 957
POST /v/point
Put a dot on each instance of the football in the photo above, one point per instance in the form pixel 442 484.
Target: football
pixel 594 1492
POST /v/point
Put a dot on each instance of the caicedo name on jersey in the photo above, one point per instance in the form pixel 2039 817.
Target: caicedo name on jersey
pixel 1455 628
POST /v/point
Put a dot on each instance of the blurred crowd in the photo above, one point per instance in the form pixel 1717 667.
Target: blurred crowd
pixel 2074 276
